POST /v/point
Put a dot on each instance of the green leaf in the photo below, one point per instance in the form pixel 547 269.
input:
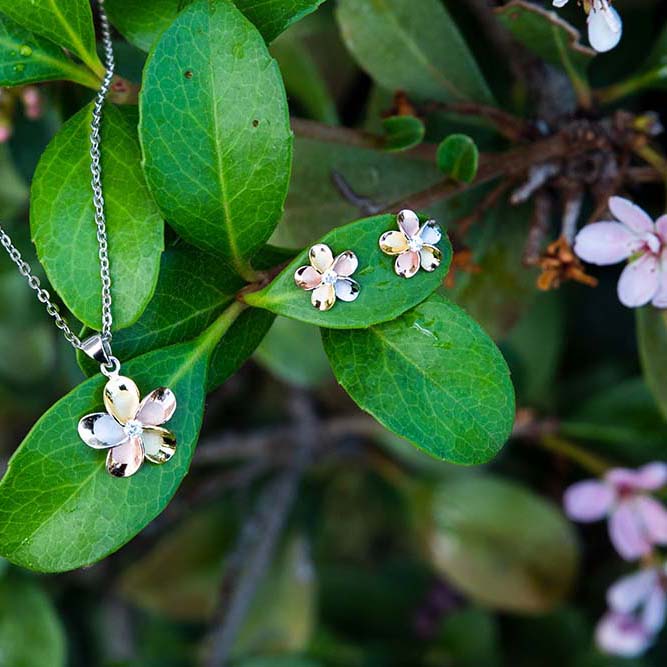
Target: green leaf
pixel 27 58
pixel 141 22
pixel 471 636
pixel 500 544
pixel 60 508
pixel 413 47
pixel 31 634
pixel 215 131
pixel 652 340
pixel 67 23
pixel 402 132
pixel 554 40
pixel 62 219
pixel 433 377
pixel 458 157
pixel 383 295
pixel 293 352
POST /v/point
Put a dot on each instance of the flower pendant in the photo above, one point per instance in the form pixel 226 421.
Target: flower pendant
pixel 130 428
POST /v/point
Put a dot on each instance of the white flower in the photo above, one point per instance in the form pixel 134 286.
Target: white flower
pixel 605 27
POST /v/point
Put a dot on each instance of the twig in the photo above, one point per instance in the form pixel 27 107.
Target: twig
pixel 365 205
pixel 258 542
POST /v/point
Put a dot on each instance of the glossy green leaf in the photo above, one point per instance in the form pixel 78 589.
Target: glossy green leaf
pixel 652 339
pixel 193 289
pixel 383 295
pixel 27 58
pixel 59 508
pixel 402 132
pixel 547 35
pixel 623 423
pixel 431 376
pixel 31 634
pixel 413 47
pixel 63 225
pixel 501 545
pixel 458 157
pixel 142 22
pixel 315 206
pixel 472 637
pixel 293 352
pixel 192 558
pixel 218 170
pixel 68 23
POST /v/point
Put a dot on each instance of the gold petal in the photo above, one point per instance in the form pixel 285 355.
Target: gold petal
pixel 157 408
pixel 430 257
pixel 307 277
pixel 121 398
pixel 159 444
pixel 407 264
pixel 126 459
pixel 101 431
pixel 324 297
pixel 321 257
pixel 393 243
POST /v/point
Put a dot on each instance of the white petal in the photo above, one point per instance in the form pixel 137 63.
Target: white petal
pixel 631 215
pixel 655 610
pixel 430 257
pixel 159 444
pixel 606 243
pixel 601 35
pixel 621 635
pixel 632 591
pixel 347 289
pixel 639 281
pixel 430 232
pixel 101 431
pixel 321 257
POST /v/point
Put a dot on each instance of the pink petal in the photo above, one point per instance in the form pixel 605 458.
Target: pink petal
pixel 624 479
pixel 631 215
pixel 346 264
pixel 660 298
pixel 626 532
pixel 307 277
pixel 408 221
pixel 654 518
pixel 157 408
pixel 639 281
pixel 126 459
pixel 655 610
pixel 606 243
pixel 661 228
pixel 630 592
pixel 622 635
pixel 652 476
pixel 588 501
pixel 407 264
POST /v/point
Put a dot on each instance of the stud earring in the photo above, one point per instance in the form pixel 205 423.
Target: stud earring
pixel 328 278
pixel 414 246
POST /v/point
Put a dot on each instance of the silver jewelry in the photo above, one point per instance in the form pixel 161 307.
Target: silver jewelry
pixel 130 429
pixel 413 245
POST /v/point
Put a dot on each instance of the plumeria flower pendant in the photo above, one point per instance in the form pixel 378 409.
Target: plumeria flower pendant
pixel 414 245
pixel 130 428
pixel 327 278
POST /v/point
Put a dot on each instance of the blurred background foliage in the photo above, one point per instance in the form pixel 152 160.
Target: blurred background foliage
pixel 384 557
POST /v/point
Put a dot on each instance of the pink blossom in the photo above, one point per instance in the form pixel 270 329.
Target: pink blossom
pixel 632 236
pixel 637 521
pixel 638 607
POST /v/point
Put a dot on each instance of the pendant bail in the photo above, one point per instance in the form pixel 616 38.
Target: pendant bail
pixel 98 349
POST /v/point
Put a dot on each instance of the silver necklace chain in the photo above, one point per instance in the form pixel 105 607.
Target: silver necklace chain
pixel 100 219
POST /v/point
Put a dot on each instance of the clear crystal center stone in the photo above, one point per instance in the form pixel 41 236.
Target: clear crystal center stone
pixel 329 277
pixel 133 428
pixel 415 244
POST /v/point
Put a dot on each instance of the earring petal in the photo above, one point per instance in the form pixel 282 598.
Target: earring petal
pixel 321 257
pixel 323 297
pixel 121 398
pixel 307 278
pixel 158 407
pixel 101 431
pixel 430 257
pixel 408 221
pixel 394 243
pixel 126 459
pixel 430 232
pixel 407 264
pixel 347 289
pixel 159 444
pixel 346 264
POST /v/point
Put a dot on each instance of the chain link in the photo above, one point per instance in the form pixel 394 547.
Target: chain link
pixel 98 200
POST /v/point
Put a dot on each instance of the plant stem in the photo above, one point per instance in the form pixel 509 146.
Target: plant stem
pixel 632 85
pixel 211 336
pixel 594 464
